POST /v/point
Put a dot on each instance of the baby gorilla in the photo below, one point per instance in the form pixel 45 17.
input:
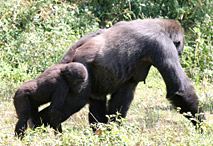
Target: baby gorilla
pixel 57 84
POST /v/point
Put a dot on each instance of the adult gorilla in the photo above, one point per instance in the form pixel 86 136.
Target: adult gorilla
pixel 120 57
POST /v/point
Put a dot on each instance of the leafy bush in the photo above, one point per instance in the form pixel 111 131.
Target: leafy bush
pixel 35 35
pixel 198 59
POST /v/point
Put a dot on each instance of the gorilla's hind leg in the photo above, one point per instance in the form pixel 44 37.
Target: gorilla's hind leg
pixel 97 112
pixel 23 109
pixel 121 99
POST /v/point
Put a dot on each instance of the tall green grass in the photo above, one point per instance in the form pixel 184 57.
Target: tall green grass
pixel 35 34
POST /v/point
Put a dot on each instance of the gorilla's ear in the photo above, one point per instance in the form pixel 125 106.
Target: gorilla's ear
pixel 71 75
pixel 176 43
pixel 65 73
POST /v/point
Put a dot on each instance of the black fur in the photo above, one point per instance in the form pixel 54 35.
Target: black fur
pixel 59 84
pixel 118 58
pixel 122 55
pixel 68 57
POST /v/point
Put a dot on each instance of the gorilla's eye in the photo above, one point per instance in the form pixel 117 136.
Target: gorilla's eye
pixel 177 44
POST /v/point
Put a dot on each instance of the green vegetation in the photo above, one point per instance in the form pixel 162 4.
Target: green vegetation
pixel 36 34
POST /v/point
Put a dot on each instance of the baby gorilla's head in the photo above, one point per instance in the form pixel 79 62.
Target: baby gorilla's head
pixel 76 75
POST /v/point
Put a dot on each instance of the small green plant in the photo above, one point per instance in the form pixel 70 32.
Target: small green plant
pixel 198 55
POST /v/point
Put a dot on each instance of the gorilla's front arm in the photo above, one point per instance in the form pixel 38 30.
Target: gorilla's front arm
pixel 179 90
pixel 52 115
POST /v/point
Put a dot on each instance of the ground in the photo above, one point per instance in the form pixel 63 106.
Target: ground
pixel 151 120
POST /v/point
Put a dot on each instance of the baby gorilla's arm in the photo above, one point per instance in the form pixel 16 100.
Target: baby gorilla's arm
pixel 52 115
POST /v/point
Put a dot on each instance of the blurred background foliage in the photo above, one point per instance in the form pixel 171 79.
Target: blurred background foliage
pixel 35 34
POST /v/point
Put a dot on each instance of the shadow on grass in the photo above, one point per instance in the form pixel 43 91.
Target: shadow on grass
pixel 154 115
pixel 208 107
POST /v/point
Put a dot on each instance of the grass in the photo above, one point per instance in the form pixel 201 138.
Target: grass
pixel 150 121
